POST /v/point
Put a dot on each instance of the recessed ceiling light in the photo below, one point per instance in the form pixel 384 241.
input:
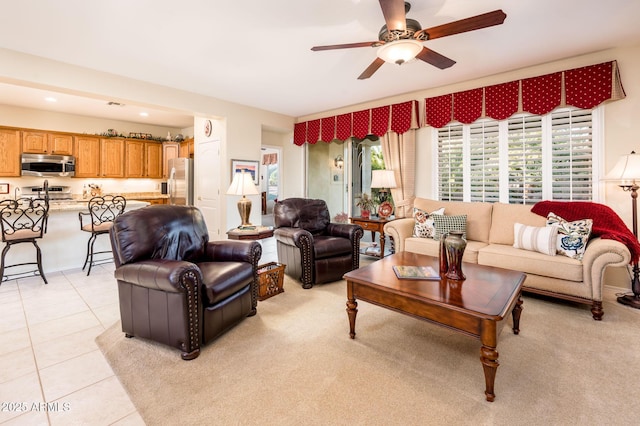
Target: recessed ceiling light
pixel 144 114
pixel 50 99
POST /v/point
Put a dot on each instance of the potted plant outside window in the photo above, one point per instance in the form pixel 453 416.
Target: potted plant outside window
pixel 366 204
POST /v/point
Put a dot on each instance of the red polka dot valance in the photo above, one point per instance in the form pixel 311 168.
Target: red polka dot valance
pixel 585 87
pixel 397 118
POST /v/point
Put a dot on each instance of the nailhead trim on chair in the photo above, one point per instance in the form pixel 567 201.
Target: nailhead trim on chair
pixel 308 258
pixel 189 282
pixel 355 246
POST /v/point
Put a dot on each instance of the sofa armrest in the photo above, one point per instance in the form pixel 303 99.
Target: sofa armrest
pixel 399 230
pixel 234 251
pixel 599 254
pixel 346 230
pixel 294 236
pixel 159 274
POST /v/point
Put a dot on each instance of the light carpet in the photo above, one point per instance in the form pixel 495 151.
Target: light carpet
pixel 294 363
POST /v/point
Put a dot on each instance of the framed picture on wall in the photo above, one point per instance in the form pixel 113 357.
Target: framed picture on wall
pixel 251 167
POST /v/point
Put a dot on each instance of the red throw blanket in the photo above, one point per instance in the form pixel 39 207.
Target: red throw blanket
pixel 606 223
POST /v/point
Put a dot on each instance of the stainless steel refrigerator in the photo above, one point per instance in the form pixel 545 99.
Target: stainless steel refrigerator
pixel 180 183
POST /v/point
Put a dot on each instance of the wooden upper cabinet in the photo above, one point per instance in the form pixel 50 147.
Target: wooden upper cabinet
pixel 47 143
pixel 187 148
pixel 153 157
pixel 134 158
pixel 9 152
pixel 169 150
pixel 112 158
pixel 87 151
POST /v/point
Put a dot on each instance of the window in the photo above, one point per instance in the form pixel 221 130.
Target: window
pixel 521 160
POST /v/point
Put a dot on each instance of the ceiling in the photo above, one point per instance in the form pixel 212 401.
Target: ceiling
pixel 257 52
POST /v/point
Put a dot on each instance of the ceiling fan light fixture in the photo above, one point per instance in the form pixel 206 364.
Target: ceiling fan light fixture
pixel 399 51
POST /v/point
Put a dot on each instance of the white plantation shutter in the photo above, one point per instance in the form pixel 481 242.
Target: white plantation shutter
pixel 484 161
pixel 521 160
pixel 572 162
pixel 450 167
pixel 525 159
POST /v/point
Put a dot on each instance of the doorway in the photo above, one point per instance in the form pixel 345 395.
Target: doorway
pixel 270 182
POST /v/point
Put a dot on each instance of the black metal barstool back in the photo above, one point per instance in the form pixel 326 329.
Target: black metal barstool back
pixel 23 220
pixel 102 212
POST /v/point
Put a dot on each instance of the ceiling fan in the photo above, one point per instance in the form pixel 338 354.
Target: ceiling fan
pixel 400 40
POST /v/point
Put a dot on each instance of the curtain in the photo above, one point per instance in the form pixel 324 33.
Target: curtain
pixel 399 154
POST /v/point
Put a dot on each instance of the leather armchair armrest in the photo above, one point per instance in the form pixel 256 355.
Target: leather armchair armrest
pixel 346 230
pixel 158 274
pixel 234 251
pixel 294 236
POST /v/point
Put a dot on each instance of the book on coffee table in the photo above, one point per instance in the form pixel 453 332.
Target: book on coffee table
pixel 416 273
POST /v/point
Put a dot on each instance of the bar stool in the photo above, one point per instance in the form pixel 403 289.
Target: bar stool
pixel 23 221
pixel 102 212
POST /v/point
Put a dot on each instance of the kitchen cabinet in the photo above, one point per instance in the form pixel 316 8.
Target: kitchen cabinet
pixel 134 155
pixel 47 143
pixel 169 150
pixel 87 149
pixel 154 200
pixel 9 152
pixel 153 160
pixel 143 159
pixel 111 158
pixel 187 148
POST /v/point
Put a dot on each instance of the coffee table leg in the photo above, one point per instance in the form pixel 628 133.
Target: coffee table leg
pixel 517 311
pixel 489 357
pixel 352 310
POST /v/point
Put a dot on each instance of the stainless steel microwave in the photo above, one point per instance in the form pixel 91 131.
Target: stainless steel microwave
pixel 48 165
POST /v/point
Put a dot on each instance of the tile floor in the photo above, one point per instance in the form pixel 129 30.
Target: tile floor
pixel 51 370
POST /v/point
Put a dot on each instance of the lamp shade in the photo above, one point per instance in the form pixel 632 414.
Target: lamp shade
pixel 383 179
pixel 242 184
pixel 399 51
pixel 626 170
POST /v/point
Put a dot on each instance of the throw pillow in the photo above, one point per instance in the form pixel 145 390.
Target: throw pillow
pixel 572 236
pixel 542 239
pixel 423 227
pixel 445 224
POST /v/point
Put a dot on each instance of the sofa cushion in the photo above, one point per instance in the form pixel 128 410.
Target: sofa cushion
pixel 542 239
pixel 530 262
pixel 504 216
pixel 224 279
pixel 431 247
pixel 423 227
pixel 444 224
pixel 478 215
pixel 572 236
pixel 326 246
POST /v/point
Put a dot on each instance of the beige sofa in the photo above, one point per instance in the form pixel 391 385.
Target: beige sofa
pixel 490 237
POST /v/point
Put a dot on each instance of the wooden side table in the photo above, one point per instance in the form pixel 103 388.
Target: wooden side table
pixel 373 224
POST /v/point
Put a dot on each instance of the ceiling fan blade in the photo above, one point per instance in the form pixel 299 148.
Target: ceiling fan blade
pixel 394 14
pixel 485 20
pixel 371 69
pixel 345 46
pixel 435 59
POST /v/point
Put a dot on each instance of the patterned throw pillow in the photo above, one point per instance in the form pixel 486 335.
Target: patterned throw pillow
pixel 423 227
pixel 572 236
pixel 542 239
pixel 445 224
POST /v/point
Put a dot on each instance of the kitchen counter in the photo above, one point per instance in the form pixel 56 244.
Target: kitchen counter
pixel 82 205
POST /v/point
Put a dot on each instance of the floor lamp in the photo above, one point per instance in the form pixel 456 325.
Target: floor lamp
pixel 242 184
pixel 627 171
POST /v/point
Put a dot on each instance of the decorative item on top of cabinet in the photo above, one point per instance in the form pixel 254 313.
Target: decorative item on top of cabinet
pixel 47 143
pixel 9 152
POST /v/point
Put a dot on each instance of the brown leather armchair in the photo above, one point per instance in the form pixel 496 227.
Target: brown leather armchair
pixel 314 250
pixel 175 286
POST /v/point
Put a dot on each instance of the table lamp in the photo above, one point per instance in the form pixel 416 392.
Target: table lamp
pixel 383 179
pixel 627 172
pixel 242 184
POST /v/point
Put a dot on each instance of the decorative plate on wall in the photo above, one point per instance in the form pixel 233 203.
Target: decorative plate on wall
pixel 208 128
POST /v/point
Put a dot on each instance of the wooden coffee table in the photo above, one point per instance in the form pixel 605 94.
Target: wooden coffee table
pixel 475 307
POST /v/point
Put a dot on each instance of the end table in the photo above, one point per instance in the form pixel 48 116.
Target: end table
pixel 373 224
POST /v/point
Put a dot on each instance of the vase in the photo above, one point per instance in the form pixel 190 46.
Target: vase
pixel 365 214
pixel 455 245
pixel 442 256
